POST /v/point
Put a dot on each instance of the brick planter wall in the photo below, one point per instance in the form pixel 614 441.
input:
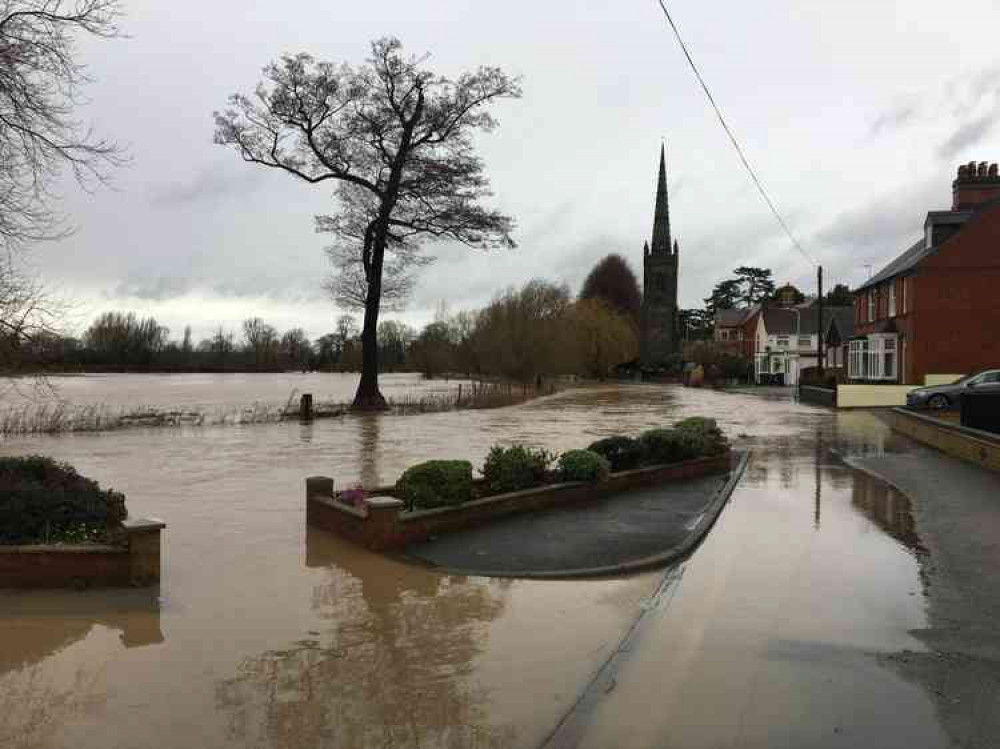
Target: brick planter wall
pixel 137 562
pixel 382 523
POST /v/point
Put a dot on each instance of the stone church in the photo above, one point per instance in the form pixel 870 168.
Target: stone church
pixel 658 337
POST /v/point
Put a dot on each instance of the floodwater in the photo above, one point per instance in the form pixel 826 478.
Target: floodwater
pixel 207 392
pixel 266 634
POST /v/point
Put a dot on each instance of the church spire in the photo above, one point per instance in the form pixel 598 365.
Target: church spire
pixel 661 217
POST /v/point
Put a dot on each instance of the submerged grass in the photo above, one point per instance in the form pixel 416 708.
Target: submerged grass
pixel 60 418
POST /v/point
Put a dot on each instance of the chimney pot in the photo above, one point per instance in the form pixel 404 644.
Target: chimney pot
pixel 963 171
pixel 983 168
pixel 994 171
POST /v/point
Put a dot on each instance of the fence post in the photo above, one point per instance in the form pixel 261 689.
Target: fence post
pixel 306 407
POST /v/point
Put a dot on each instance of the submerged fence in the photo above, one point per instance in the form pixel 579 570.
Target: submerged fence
pixel 51 417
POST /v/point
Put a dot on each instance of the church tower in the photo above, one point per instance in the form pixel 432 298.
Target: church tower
pixel 658 330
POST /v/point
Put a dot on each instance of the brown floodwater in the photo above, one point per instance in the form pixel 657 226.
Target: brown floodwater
pixel 206 392
pixel 266 634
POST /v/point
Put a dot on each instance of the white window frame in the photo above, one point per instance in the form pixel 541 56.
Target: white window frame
pixel 856 360
pixel 782 341
pixel 892 299
pixel 871 305
pixel 905 288
pixel 804 341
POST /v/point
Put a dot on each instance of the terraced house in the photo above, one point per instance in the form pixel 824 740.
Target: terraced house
pixel 935 309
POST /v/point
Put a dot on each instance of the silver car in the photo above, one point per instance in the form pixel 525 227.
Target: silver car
pixel 949 396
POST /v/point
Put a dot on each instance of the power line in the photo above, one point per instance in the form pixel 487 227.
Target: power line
pixel 732 137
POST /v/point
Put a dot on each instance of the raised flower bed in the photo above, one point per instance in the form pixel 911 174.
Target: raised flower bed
pixel 59 529
pixel 515 480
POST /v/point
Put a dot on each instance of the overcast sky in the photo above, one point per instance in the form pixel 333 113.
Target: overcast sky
pixel 855 114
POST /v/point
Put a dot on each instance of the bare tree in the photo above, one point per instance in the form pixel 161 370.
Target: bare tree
pixel 41 84
pixel 398 140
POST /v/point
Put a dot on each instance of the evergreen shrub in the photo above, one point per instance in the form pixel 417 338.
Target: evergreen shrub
pixel 436 483
pixel 623 453
pixel 42 501
pixel 583 465
pixel 510 469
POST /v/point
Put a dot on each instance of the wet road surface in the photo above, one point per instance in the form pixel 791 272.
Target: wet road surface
pixel 265 635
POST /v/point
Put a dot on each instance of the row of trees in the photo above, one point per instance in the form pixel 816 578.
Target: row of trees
pixel 536 330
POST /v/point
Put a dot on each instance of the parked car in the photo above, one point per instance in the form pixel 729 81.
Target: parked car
pixel 949 396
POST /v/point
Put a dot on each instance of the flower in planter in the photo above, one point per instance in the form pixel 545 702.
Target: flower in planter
pixel 354 497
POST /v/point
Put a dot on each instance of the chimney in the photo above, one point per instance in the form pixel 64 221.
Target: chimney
pixel 975 184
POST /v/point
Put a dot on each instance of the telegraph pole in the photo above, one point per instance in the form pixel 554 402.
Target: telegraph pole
pixel 820 347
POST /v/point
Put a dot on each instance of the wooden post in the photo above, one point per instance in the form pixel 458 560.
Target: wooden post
pixel 306 407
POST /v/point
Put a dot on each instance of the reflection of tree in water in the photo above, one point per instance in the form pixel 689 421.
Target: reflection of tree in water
pixel 392 669
pixel 887 508
pixel 369 449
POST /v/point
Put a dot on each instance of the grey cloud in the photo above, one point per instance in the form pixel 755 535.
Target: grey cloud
pixel 879 230
pixel 895 118
pixel 968 134
pixel 209 182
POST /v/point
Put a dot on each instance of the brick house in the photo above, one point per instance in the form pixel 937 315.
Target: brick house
pixel 935 309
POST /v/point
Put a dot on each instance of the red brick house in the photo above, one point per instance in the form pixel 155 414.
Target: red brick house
pixel 935 309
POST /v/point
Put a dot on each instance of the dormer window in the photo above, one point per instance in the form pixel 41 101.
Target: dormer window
pixel 928 235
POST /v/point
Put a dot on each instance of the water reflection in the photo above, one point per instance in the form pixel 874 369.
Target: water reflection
pixel 390 666
pixel 34 626
pixel 887 508
pixel 37 696
pixel 368 448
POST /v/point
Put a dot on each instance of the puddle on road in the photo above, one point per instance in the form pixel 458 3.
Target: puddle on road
pixel 265 635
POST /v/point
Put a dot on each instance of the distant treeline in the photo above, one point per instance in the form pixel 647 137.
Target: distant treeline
pixel 536 330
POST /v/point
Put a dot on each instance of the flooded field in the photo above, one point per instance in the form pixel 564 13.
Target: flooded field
pixel 206 392
pixel 264 634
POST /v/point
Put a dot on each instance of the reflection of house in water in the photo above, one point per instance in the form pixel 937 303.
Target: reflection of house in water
pixel 885 506
pixel 388 666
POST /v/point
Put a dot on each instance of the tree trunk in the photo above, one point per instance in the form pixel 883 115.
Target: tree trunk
pixel 368 397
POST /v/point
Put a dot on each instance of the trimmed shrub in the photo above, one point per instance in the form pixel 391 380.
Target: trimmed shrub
pixel 510 469
pixel 42 501
pixel 583 465
pixel 436 483
pixel 708 439
pixel 664 446
pixel 622 453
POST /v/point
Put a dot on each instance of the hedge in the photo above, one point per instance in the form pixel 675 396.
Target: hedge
pixel 42 501
pixel 623 453
pixel 514 468
pixel 583 465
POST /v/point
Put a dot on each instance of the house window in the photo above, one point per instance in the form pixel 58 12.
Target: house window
pixel 857 359
pixel 805 341
pixel 777 365
pixel 783 341
pixel 905 288
pixel 889 359
pixel 871 306
pixel 892 299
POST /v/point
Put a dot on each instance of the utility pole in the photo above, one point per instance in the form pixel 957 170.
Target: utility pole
pixel 822 332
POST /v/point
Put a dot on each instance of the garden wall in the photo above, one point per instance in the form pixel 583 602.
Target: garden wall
pixel 972 445
pixel 137 562
pixel 382 523
pixel 940 379
pixel 872 396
